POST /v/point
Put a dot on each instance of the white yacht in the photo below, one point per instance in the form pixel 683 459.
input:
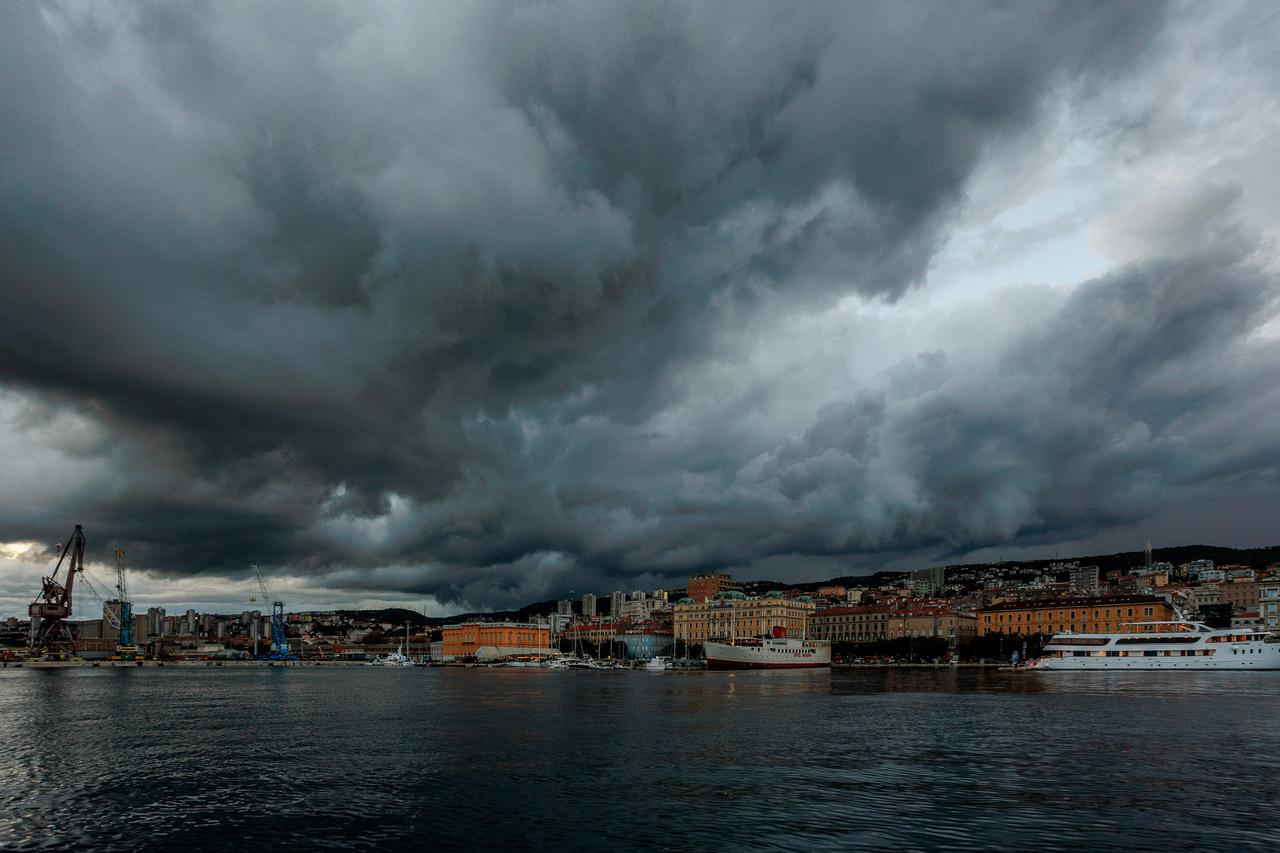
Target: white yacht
pixel 658 664
pixel 1179 644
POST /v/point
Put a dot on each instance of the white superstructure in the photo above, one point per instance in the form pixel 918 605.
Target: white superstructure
pixel 1162 645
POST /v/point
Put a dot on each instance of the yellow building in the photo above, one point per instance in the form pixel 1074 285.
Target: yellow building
pixel 488 640
pixel 1093 615
pixel 731 614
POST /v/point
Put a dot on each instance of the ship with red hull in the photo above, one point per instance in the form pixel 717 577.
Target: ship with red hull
pixel 768 653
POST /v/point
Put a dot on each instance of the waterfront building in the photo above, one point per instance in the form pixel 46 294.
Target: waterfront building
pixel 564 607
pixel 944 623
pixel 865 624
pixel 833 592
pixel 588 606
pixel 1269 603
pixel 703 587
pixel 1092 614
pixel 615 603
pixel 489 640
pixel 729 614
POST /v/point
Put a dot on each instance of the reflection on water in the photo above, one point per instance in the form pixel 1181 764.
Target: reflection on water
pixel 370 759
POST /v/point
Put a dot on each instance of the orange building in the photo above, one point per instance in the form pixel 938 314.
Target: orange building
pixel 1092 615
pixel 702 587
pixel 488 640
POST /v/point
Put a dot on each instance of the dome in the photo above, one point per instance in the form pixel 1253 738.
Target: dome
pixel 804 598
pixel 686 601
pixel 773 593
pixel 733 593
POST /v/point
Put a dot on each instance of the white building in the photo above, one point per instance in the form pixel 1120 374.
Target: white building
pixel 1084 578
pixel 1269 603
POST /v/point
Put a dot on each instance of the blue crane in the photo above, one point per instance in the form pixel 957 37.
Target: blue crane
pixel 279 642
pixel 127 649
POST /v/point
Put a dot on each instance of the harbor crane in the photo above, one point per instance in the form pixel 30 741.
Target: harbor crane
pixel 118 617
pixel 127 648
pixel 52 607
pixel 279 643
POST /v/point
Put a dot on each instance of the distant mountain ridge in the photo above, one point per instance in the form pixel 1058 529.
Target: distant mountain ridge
pixel 1256 558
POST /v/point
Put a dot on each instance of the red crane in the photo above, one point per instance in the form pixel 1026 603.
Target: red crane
pixel 53 605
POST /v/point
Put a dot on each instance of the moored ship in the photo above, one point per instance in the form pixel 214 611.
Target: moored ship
pixel 768 653
pixel 1180 644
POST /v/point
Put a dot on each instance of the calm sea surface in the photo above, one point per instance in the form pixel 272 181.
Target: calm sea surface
pixel 378 759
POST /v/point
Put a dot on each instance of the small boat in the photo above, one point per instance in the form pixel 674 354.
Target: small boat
pixel 658 664
pixel 398 657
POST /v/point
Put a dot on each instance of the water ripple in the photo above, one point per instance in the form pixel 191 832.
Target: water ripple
pixel 369 759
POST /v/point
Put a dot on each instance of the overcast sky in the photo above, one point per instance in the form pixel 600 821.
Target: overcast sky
pixel 468 305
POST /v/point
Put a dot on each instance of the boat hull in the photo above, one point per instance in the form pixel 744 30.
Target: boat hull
pixel 1180 664
pixel 737 664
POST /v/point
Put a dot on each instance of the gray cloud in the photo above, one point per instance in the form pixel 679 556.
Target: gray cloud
pixel 426 298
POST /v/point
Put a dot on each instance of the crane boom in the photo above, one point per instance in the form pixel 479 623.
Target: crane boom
pixel 126 604
pixel 108 613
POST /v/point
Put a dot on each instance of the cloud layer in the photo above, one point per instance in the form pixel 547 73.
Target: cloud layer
pixel 483 303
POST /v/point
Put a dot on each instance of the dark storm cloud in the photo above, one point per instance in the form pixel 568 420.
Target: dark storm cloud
pixel 406 286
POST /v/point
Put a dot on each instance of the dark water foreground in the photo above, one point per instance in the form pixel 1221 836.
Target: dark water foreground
pixel 378 759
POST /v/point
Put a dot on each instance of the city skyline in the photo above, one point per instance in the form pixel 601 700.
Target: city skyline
pixel 459 308
pixel 160 593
